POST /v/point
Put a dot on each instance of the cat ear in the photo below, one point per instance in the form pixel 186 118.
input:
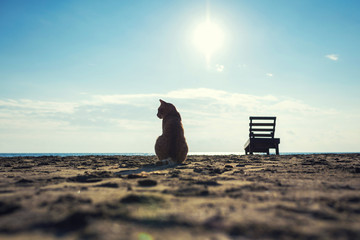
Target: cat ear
pixel 161 101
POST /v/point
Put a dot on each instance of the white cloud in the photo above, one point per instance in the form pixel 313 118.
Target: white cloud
pixel 212 118
pixel 131 124
pixel 102 104
pixel 27 105
pixel 333 57
pixel 122 99
pixel 269 74
pixel 219 67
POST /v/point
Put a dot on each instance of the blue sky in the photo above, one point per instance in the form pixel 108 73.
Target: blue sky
pixel 86 76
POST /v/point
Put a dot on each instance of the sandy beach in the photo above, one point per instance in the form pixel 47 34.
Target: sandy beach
pixel 207 197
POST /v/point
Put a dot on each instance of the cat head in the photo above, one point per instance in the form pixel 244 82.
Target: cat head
pixel 167 109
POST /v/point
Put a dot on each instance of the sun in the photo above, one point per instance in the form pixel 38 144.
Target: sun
pixel 208 38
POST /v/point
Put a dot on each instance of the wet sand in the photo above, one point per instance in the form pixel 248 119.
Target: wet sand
pixel 208 197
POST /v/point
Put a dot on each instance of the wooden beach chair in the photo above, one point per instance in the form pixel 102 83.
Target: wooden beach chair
pixel 261 135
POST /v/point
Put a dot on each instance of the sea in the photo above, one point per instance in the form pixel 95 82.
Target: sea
pixel 150 154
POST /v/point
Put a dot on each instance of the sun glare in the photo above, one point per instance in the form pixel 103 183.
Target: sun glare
pixel 208 38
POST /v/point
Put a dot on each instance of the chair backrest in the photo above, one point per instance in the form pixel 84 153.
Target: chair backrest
pixel 262 127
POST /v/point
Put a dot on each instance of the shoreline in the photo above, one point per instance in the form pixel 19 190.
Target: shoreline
pixel 5 155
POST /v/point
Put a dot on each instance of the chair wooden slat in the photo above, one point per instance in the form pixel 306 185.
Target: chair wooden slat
pixel 262 118
pixel 261 129
pixel 261 135
pixel 262 124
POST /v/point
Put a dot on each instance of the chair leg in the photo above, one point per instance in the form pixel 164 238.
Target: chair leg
pixel 277 150
pixel 268 152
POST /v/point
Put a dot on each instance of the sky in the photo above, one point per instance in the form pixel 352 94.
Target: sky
pixel 86 76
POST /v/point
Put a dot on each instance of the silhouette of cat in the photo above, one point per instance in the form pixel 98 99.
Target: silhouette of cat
pixel 170 147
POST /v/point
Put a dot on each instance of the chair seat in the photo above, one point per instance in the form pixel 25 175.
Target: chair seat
pixel 261 144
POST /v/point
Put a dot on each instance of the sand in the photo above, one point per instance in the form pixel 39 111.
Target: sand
pixel 208 197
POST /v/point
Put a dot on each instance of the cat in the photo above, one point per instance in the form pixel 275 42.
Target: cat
pixel 171 146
